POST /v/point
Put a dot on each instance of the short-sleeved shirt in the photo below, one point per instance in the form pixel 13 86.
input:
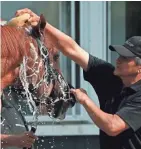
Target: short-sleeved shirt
pixel 12 120
pixel 114 98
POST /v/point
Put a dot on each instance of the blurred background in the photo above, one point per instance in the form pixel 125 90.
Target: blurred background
pixel 94 26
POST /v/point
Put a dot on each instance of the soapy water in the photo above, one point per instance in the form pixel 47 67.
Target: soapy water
pixel 43 83
pixel 31 103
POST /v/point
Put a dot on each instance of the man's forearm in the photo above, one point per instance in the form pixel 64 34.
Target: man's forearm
pixel 7 140
pixel 66 45
pixel 101 119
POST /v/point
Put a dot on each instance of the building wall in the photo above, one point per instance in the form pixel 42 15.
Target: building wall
pixel 67 142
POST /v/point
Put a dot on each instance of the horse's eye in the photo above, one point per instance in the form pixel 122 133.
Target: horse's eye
pixel 56 57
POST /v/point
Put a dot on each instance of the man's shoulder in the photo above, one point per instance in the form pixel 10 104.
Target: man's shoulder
pixel 97 65
pixel 97 60
pixel 100 68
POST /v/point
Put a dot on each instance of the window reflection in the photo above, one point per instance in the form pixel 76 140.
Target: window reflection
pixel 125 22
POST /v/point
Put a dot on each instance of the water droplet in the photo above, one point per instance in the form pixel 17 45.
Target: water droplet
pixel 42 141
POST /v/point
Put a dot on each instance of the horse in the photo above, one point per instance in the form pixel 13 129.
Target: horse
pixel 25 53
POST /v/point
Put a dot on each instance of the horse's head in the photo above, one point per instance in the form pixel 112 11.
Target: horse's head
pixel 41 76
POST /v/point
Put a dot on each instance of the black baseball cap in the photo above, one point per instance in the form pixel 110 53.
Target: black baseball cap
pixel 131 48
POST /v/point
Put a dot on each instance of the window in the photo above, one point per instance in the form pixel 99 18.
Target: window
pixel 125 22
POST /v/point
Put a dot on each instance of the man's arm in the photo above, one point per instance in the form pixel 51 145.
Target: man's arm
pixel 66 45
pixel 111 124
pixel 22 140
pixel 7 140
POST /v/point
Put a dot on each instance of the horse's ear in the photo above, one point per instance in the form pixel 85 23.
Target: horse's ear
pixel 39 28
pixel 42 22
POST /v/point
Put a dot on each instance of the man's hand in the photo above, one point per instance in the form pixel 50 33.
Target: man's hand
pixel 34 18
pixel 20 20
pixel 25 140
pixel 80 95
pixel 50 41
pixel 22 140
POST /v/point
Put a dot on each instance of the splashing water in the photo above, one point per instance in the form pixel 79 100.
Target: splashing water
pixel 9 91
pixel 53 141
pixel 19 125
pixel 43 75
pixel 51 75
pixel 1 123
pixel 62 144
pixel 32 106
pixel 19 109
pixel 42 140
pixel 87 143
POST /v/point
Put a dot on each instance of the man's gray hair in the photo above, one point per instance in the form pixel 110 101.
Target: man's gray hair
pixel 138 60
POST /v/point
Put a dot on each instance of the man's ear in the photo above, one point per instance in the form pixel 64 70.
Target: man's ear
pixel 139 69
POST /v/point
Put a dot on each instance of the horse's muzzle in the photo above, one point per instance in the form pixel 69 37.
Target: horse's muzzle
pixel 56 105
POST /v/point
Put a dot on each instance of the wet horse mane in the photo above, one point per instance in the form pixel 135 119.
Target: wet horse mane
pixel 14 45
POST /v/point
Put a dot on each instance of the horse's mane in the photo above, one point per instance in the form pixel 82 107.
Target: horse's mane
pixel 15 43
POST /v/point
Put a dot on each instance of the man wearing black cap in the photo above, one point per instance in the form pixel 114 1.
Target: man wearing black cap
pixel 118 89
pixel 119 93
